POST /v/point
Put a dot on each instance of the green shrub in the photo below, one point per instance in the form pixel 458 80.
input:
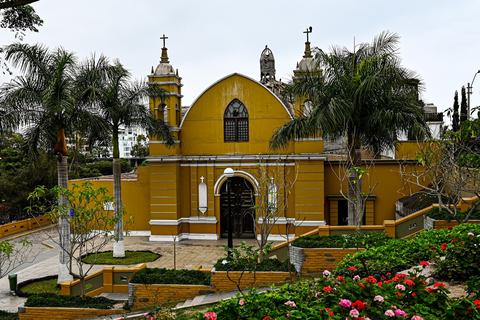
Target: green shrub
pixel 459 259
pixel 170 276
pixel 442 214
pixel 247 258
pixel 352 240
pixel 54 300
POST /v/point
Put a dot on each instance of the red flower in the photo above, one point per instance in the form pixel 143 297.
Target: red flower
pixel 443 247
pixel 352 268
pixel 414 294
pixel 361 285
pixel 267 318
pixel 424 263
pixel 439 285
pixel 398 294
pixel 379 283
pixel 340 278
pixel 429 290
pixel 327 289
pixel 409 283
pixel 371 279
pixel 359 305
pixel 476 302
pixel 210 316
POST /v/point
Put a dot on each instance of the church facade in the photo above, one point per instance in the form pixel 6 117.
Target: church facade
pixel 181 191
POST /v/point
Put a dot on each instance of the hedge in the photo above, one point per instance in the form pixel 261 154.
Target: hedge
pixel 53 300
pixel 351 240
pixel 170 276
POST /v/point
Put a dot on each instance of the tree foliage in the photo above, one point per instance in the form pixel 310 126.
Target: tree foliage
pixel 455 117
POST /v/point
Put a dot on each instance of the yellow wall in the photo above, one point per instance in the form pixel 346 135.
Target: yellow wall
pixel 135 197
pixel 202 129
pixel 383 181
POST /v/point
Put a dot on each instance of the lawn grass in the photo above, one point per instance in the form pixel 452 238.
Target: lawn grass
pixel 131 257
pixel 41 286
pixel 7 315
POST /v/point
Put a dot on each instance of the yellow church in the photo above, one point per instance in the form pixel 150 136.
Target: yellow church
pixel 181 190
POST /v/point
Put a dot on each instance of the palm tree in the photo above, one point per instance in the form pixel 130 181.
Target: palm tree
pixel 46 103
pixel 120 102
pixel 365 95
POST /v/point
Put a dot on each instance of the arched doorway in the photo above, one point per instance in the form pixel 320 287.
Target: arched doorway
pixel 242 202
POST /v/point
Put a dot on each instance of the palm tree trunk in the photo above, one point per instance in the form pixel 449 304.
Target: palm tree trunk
pixel 63 223
pixel 118 246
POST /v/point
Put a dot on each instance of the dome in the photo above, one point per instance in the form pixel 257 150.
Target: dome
pixel 164 68
pixel 307 65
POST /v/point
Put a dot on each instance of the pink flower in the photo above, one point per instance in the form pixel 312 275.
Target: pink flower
pixel 290 303
pixel 389 313
pixel 354 313
pixel 417 318
pixel 379 299
pixel 210 316
pixel 356 278
pixel 345 303
pixel 400 287
pixel 400 313
pixel 326 273
pixel 241 302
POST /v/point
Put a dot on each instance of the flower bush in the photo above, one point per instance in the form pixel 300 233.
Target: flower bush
pixel 400 254
pixel 401 297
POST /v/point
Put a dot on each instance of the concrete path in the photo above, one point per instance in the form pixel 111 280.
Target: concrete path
pixel 43 258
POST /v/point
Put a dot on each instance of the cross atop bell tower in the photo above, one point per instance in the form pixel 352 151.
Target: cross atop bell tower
pixel 164 57
pixel 308 52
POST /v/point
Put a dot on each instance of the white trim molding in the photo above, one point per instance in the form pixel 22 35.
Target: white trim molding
pixel 184 236
pixel 192 220
pixel 239 158
pixel 278 220
pixel 138 233
pixel 278 237
pixel 310 223
pixel 237 173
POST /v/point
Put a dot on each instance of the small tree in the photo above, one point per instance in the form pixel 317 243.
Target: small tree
pixel 140 149
pixel 14 254
pixel 449 170
pixel 275 185
pixel 89 221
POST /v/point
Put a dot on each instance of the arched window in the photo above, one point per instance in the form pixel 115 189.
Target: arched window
pixel 235 122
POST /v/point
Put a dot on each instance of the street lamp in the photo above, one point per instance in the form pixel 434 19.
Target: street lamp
pixel 469 92
pixel 229 172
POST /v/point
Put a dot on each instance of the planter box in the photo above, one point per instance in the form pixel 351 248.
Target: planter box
pixel 444 224
pixel 148 295
pixel 51 313
pixel 221 281
pixel 316 260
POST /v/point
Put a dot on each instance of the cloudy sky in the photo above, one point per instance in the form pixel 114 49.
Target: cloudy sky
pixel 212 38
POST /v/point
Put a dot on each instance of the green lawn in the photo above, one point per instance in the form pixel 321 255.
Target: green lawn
pixel 131 257
pixel 42 286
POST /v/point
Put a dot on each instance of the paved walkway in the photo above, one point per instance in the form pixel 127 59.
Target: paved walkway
pixel 190 254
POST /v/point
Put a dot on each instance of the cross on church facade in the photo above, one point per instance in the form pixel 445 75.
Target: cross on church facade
pixel 308 31
pixel 165 38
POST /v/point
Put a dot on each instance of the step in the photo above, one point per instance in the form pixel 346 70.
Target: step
pixel 117 296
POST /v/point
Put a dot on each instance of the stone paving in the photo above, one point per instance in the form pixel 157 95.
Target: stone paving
pixel 190 254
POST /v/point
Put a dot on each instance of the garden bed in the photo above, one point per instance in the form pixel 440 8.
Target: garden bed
pixel 314 254
pixel 131 257
pixel 152 287
pixel 41 285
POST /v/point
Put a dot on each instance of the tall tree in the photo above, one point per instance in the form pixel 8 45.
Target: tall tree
pixel 120 102
pixel 365 95
pixel 19 16
pixel 455 117
pixel 463 107
pixel 46 101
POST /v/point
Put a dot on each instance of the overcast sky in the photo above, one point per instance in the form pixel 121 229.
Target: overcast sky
pixel 211 39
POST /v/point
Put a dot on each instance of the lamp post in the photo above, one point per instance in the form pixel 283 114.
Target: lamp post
pixel 469 92
pixel 229 173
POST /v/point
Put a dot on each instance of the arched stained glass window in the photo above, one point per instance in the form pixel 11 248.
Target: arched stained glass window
pixel 235 122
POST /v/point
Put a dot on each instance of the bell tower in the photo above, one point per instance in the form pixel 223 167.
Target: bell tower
pixel 165 97
pixel 267 66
